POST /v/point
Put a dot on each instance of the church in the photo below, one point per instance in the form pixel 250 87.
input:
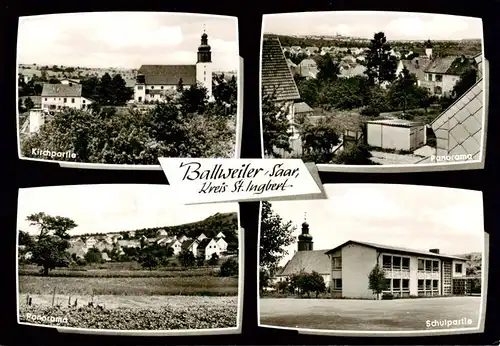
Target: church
pixel 155 82
pixel 346 268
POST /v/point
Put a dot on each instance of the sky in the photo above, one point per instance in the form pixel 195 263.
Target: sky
pixel 126 39
pixel 113 207
pixel 395 25
pixel 415 217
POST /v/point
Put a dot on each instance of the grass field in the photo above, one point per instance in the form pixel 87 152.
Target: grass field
pixel 196 285
pixel 369 315
pixel 138 313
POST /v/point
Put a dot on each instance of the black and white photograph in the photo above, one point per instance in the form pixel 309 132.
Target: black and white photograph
pixel 370 89
pixel 125 88
pixel 374 259
pixel 127 258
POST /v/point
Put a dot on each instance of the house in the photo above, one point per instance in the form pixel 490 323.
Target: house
pixel 396 134
pixel 58 96
pixel 201 237
pixel 161 233
pixel 131 234
pixel 105 257
pixel 191 245
pixel 349 59
pixel 164 240
pixel 311 50
pixel 415 66
pixel 408 272
pixel 207 247
pixel 91 242
pixel 292 66
pixel 220 235
pixel 70 81
pixel 442 74
pixel 276 78
pixel 221 243
pixel 307 68
pixel 78 251
pixel 176 246
pixel 155 82
pixel 104 245
pixel 183 238
pixel 128 243
pixel 349 71
pixel 459 128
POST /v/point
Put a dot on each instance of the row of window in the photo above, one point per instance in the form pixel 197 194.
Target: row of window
pixel 428 265
pixel 65 100
pixel 395 262
pixel 437 77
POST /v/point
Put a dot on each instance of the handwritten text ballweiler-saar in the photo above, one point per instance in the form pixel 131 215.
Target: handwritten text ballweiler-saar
pixel 219 179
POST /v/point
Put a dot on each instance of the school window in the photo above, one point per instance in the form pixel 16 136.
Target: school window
pixel 406 284
pixel 337 262
pixel 435 266
pixel 428 265
pixel 434 285
pixel 428 285
pixel 337 284
pixel 396 262
pixel 421 264
pixel 396 284
pixel 439 78
pixel 406 263
pixel 458 268
pixel 420 285
pixel 387 262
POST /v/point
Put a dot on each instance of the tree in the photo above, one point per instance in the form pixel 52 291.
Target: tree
pixel 25 239
pixel 309 282
pixel 105 92
pixel 318 140
pixel 20 106
pixel 28 103
pixel 120 94
pixel 54 81
pixel 187 259
pixel 194 99
pixel 276 235
pixel 200 261
pixel 466 81
pixel 229 268
pixel 93 256
pixel 225 92
pixel 264 278
pixel 358 154
pixel 149 261
pixel 377 281
pixel 180 85
pixel 381 65
pixel 214 259
pixel 328 70
pixel 402 88
pixel 275 127
pixel 282 286
pixel 49 251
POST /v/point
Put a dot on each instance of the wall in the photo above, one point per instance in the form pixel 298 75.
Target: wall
pixel 36 120
pixel 388 137
pixel 357 263
pixel 58 102
pixel 204 75
pixel 458 274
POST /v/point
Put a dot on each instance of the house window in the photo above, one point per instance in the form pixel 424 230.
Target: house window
pixel 438 90
pixel 458 267
pixel 337 284
pixel 83 101
pixel 65 100
pixel 45 99
pixel 139 99
pixel 152 87
pixel 139 87
pixel 387 262
pixel 337 262
pixel 406 263
pixel 439 78
pixel 435 266
pixel 72 100
pixel 421 264
pixel 161 87
pixel 55 98
pixel 205 73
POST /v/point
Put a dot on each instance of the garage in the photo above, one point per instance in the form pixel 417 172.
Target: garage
pixel 395 134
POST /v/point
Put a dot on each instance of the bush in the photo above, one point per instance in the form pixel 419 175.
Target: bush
pixel 229 268
pixel 370 111
pixel 387 296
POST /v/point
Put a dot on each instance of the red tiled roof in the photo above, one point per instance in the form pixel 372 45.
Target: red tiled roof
pixel 276 77
pixel 168 74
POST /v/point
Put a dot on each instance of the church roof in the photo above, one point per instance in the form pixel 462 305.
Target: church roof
pixel 168 74
pixel 308 261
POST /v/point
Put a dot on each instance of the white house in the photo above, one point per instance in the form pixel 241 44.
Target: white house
pixel 176 246
pixel 396 134
pixel 220 235
pixel 161 233
pixel 58 96
pixel 183 238
pixel 201 237
pixel 91 242
pixel 191 245
pixel 208 247
pixel 155 82
pixel 222 244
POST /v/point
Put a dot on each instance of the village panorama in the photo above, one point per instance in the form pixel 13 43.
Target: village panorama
pixel 184 106
pixel 176 277
pixel 372 97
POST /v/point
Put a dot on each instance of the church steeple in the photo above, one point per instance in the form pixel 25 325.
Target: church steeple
pixel 305 242
pixel 204 50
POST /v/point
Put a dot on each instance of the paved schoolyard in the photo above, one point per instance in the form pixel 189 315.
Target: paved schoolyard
pixel 369 315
